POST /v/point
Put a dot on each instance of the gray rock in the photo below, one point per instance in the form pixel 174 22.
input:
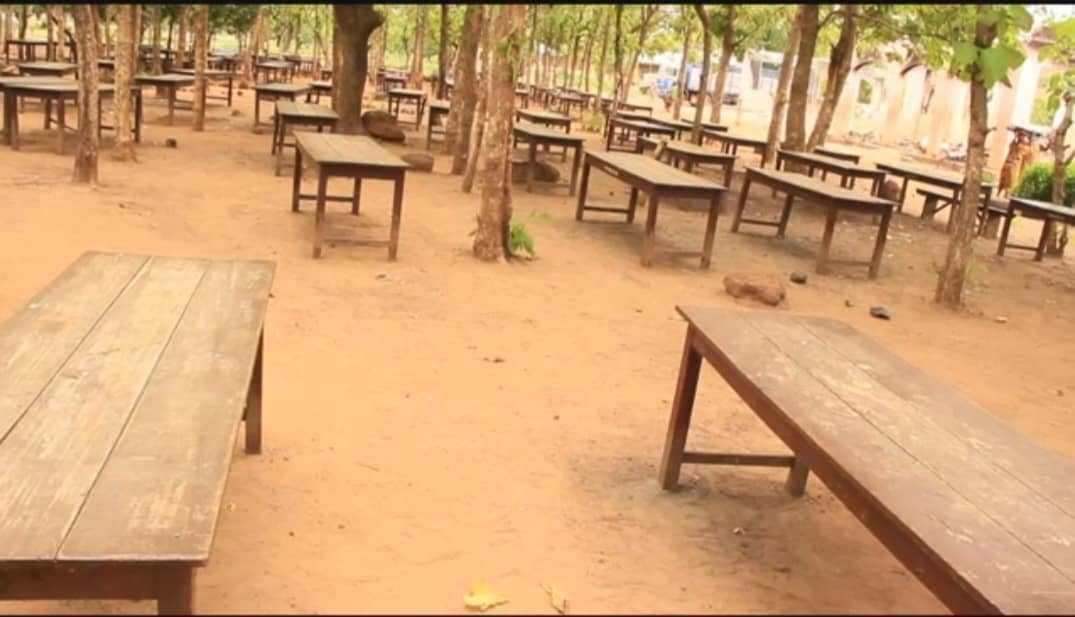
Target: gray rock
pixel 543 172
pixel 171 143
pixel 381 125
pixel 419 161
pixel 880 312
pixel 764 289
pixel 798 277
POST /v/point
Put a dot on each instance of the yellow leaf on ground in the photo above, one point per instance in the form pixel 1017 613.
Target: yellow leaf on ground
pixel 557 599
pixel 482 597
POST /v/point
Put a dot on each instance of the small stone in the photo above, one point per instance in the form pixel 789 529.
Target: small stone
pixel 171 143
pixel 848 303
pixel 798 277
pixel 1000 319
pixel 738 531
pixel 880 312
pixel 764 289
pixel 1059 392
pixel 556 417
pixel 419 161
pixel 235 113
pixel 381 276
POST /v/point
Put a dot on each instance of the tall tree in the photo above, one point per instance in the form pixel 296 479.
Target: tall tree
pixel 604 48
pixel 780 97
pixel 687 21
pixel 201 55
pixel 795 136
pixel 442 52
pixel 707 52
pixel 356 22
pixel 839 68
pixel 155 15
pixel 727 49
pixel 1061 89
pixel 181 44
pixel 419 48
pixel 494 216
pixel 125 63
pixel 618 93
pixel 477 124
pixel 648 13
pixel 88 95
pixel 464 95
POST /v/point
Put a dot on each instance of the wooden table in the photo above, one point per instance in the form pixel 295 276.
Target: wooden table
pixel 536 135
pixel 831 198
pixel 657 180
pixel 567 101
pixel 274 92
pixel 347 156
pixel 417 98
pixel 730 142
pixel 291 114
pixel 170 83
pixel 391 82
pixel 935 177
pixel 690 154
pixel 606 105
pixel 318 89
pixel 438 110
pixel 124 384
pixel 47 69
pixel 27 48
pixel 271 70
pixel 1034 209
pixel 522 96
pixel 630 131
pixel 545 118
pixel 713 126
pixel 215 75
pixel 838 154
pixel 979 514
pixel 846 170
pixel 58 93
pixel 678 126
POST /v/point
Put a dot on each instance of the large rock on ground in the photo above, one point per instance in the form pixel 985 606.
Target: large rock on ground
pixel 543 172
pixel 381 125
pixel 419 161
pixel 890 190
pixel 764 289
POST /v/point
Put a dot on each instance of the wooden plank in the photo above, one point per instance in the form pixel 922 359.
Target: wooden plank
pixel 159 496
pixel 651 170
pixel 50 460
pixel 336 149
pixel 819 190
pixel 36 341
pixel 936 520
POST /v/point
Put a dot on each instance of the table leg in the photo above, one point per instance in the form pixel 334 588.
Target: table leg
pixel 319 215
pixel 257 109
pixel 252 415
pixel 795 485
pixel 582 190
pixel 826 242
pixel 138 116
pixel 175 591
pixel 680 419
pixel 632 204
pixel 879 245
pixel 575 169
pixel 531 161
pixel 357 195
pixel 1039 253
pixel 649 240
pixel 903 194
pixel 61 122
pixel 172 91
pixel 48 113
pixel 710 230
pixel 1004 233
pixel 397 211
pixel 296 181
pixel 230 81
pixel 279 128
pixel 785 215
pixel 742 204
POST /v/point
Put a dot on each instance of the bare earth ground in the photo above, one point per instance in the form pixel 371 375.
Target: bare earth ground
pixel 404 463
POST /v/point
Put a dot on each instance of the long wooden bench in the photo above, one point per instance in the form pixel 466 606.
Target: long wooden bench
pixel 122 387
pixel 983 517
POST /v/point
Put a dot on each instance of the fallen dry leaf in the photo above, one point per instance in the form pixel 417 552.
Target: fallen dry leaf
pixel 482 597
pixel 557 599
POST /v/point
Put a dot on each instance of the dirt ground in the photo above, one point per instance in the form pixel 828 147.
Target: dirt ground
pixel 438 421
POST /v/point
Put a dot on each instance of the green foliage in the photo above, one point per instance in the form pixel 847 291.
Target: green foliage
pixel 520 238
pixel 1037 183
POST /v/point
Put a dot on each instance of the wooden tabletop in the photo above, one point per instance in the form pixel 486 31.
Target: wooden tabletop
pixel 273 64
pixel 976 504
pixel 121 390
pixel 676 124
pixel 820 189
pixel 832 163
pixel 651 170
pixel 282 88
pixel 539 131
pixel 836 153
pixel 713 126
pixel 334 149
pixel 165 78
pixel 440 106
pixel 1045 207
pixel 742 140
pixel 321 85
pixel 694 150
pixel 305 110
pixel 47 66
pixel 643 125
pixel 538 114
pixel 937 176
pixel 404 92
pixel 208 72
pixel 634 115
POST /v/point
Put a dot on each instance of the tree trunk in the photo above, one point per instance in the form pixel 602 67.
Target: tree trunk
pixel 464 96
pixel 419 48
pixel 707 51
pixel 574 61
pixel 839 68
pixel 681 77
pixel 156 16
pixel 1058 232
pixel 617 60
pixel 795 137
pixel 380 45
pixel 531 46
pixel 251 53
pixel 602 56
pixel 961 244
pixel 181 45
pixel 780 97
pixel 727 48
pixel 25 21
pixel 124 72
pixel 50 49
pixel 648 11
pixel 494 216
pixel 88 97
pixel 586 62
pixel 477 123
pixel 442 52
pixel 201 54
pixel 356 23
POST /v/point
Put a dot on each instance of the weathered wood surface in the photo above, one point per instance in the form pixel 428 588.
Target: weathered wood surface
pixel 652 171
pixel 538 115
pixel 838 154
pixel 280 88
pixel 818 189
pixel 47 68
pixel 305 111
pixel 985 518
pixel 527 130
pixel 333 149
pixel 122 387
pixel 171 79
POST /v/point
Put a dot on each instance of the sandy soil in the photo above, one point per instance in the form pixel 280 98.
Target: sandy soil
pixel 438 421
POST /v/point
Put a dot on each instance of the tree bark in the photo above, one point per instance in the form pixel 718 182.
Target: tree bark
pixel 617 61
pixel 24 22
pixel 201 54
pixel 780 97
pixel 727 48
pixel 124 72
pixel 707 51
pixel 251 52
pixel 356 22
pixel 1057 239
pixel 419 48
pixel 181 44
pixel 648 12
pixel 953 276
pixel 477 124
pixel 531 46
pixel 88 96
pixel 839 69
pixel 681 77
pixel 157 69
pixel 795 137
pixel 50 49
pixel 574 61
pixel 464 96
pixel 494 216
pixel 586 61
pixel 442 52
pixel 604 50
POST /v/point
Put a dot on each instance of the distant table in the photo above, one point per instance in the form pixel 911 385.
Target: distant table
pixel 831 198
pixel 417 98
pixel 546 118
pixel 392 82
pixel 837 154
pixel 679 126
pixel 657 180
pixel 1034 209
pixel 630 131
pixel 126 381
pixel 47 69
pixel 730 142
pixel 535 135
pixel 606 105
pixel 271 71
pixel 171 83
pixel 689 154
pixel 59 93
pixel 347 156
pixel 713 126
pixel 214 75
pixel 291 114
pixel 27 48
pixel 274 92
pixel 568 101
pixel 438 110
pixel 522 96
pixel 846 170
pixel 318 89
pixel 936 177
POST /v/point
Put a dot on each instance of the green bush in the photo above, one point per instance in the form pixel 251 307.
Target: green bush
pixel 1037 183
